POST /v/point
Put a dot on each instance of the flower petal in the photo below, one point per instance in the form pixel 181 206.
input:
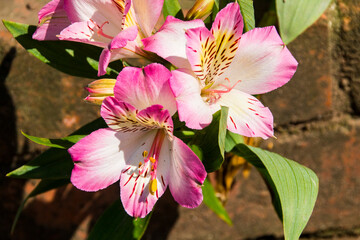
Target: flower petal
pixel 191 107
pixel 145 87
pixel 156 116
pixel 120 116
pixel 99 158
pixel 84 32
pixel 200 50
pixel 262 62
pixel 120 41
pixel 186 176
pixel 169 42
pixel 247 116
pixel 99 11
pixel 147 19
pixel 134 188
pixel 227 29
pixel 52 19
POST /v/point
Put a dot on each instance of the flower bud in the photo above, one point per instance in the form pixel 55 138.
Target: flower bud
pixel 99 90
pixel 201 9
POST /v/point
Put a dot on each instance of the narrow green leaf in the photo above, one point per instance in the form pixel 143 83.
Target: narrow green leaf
pixel 214 203
pixel 222 129
pixel 247 11
pixel 55 163
pixel 68 141
pixel 172 8
pixel 211 141
pixel 295 16
pixel 73 58
pixel 115 223
pixel 63 143
pixel 43 186
pixel 294 187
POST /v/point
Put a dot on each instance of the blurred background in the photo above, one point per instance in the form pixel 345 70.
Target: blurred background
pixel 317 123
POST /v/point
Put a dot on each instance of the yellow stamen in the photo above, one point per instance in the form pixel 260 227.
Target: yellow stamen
pixel 145 153
pixel 152 159
pixel 140 163
pixel 153 186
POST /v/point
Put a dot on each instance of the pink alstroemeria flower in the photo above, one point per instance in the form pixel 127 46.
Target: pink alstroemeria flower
pixel 139 147
pixel 115 25
pixel 226 69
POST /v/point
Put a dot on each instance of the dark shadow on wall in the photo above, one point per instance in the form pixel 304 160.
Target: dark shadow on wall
pixel 11 189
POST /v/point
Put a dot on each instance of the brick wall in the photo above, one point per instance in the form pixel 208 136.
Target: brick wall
pixel 317 124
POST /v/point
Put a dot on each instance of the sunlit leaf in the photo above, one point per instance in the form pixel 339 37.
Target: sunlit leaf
pixel 172 8
pixel 295 16
pixel 247 11
pixel 214 203
pixel 63 143
pixel 294 187
pixel 77 59
pixel 231 140
pixel 115 223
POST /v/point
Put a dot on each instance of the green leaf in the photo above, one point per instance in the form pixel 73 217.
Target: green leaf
pixel 172 8
pixel 43 186
pixel 63 143
pixel 232 139
pixel 77 59
pixel 295 16
pixel 115 223
pixel 247 11
pixel 211 141
pixel 215 10
pixel 294 187
pixel 214 203
pixel 55 163
pixel 68 141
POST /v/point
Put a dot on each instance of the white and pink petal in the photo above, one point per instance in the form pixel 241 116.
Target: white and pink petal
pixel 52 20
pixel 120 116
pixel 84 32
pixel 119 41
pixel 145 87
pixel 99 11
pixel 99 158
pixel 262 62
pixel 187 174
pixel 134 185
pixel 170 42
pixel 200 50
pixel 247 116
pixel 156 117
pixel 147 19
pixel 192 109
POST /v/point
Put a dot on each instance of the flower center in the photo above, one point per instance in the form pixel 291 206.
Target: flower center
pixel 151 160
pixel 212 95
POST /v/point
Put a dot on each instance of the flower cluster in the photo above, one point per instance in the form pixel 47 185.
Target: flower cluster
pixel 213 68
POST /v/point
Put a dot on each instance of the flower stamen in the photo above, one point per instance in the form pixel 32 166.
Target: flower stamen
pixel 212 95
pixel 99 29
